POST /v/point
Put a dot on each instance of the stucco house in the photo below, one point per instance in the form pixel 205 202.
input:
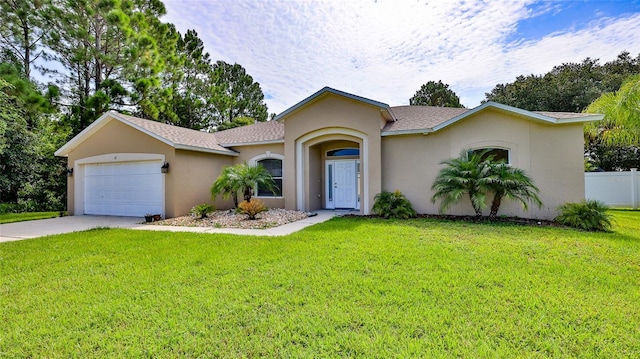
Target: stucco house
pixel 331 150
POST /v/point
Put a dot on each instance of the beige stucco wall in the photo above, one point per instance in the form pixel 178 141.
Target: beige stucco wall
pixel 337 114
pixel 116 137
pixel 551 154
pixel 190 179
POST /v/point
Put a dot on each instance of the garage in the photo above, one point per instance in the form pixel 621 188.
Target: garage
pixel 130 189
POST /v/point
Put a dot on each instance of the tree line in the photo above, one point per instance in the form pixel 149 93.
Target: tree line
pixel 63 63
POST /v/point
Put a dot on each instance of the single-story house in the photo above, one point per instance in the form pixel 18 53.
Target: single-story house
pixel 332 150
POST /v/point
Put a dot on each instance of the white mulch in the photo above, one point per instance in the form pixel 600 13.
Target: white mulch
pixel 229 219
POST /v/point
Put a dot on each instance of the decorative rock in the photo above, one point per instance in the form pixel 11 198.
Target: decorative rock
pixel 274 217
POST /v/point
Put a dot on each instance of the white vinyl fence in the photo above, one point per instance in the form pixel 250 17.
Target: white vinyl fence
pixel 617 189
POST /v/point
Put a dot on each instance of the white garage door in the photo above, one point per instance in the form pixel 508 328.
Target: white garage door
pixel 123 189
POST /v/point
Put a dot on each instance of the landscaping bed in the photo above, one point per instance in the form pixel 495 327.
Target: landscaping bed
pixel 273 217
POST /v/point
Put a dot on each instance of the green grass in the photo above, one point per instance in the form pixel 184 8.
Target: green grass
pixel 350 287
pixel 27 216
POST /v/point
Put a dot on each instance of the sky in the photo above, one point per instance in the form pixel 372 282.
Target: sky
pixel 385 50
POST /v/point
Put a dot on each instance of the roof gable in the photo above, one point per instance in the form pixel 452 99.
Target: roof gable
pixel 328 90
pixel 427 119
pixel 174 136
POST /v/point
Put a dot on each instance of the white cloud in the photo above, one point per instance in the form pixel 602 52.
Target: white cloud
pixel 386 50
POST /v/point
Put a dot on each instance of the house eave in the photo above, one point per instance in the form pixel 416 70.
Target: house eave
pixel 251 143
pixel 206 150
pixel 422 131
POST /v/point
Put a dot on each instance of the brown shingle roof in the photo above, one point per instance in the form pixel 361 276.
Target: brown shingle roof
pixel 270 131
pixel 563 115
pixel 420 117
pixel 178 135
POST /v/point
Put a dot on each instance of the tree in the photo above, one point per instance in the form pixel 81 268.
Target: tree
pixel 242 178
pixel 237 122
pixel 465 175
pixel 188 81
pixel 510 182
pixel 110 52
pixel 614 142
pixel 235 95
pixel 31 177
pixel 435 94
pixel 22 27
pixel 569 87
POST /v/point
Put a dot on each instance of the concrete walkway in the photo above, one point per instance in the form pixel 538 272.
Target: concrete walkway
pixel 46 227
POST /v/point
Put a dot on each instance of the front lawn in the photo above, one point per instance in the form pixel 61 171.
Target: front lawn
pixel 27 216
pixel 350 287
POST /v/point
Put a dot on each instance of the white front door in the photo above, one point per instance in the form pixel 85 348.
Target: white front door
pixel 342 184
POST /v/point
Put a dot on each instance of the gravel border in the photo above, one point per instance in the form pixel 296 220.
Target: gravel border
pixel 274 217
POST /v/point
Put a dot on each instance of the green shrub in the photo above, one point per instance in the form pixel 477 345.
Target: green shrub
pixel 393 205
pixel 202 210
pixel 252 208
pixel 589 215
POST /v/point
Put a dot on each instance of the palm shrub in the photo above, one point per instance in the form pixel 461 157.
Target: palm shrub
pixel 242 178
pixel 250 177
pixel 252 208
pixel 393 205
pixel 227 185
pixel 465 175
pixel 510 182
pixel 588 215
pixel 202 210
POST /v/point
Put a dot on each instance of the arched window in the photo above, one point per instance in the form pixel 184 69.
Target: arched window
pixel 274 166
pixel 343 152
pixel 499 154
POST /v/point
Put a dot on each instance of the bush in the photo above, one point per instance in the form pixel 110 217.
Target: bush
pixel 252 208
pixel 202 210
pixel 589 215
pixel 393 205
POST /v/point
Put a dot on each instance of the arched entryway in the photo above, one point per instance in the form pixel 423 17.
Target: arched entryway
pixel 331 168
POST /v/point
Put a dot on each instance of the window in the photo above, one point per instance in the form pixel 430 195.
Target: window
pixel 274 166
pixel 343 152
pixel 499 154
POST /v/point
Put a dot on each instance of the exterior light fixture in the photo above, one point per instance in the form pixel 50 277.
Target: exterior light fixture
pixel 69 172
pixel 165 168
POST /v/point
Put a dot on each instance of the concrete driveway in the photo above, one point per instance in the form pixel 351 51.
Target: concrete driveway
pixel 45 227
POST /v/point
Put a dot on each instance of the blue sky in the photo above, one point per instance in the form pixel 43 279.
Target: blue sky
pixel 386 49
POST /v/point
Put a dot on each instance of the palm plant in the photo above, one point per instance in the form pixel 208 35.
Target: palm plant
pixel 463 175
pixel 227 185
pixel 250 177
pixel 510 182
pixel 242 178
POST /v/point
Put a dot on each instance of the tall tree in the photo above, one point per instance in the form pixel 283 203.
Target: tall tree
pixel 569 87
pixel 23 23
pixel 236 95
pixel 189 82
pixel 435 94
pixel 614 142
pixel 110 54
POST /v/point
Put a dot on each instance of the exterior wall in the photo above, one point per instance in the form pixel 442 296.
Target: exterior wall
pixel 190 178
pixel 116 137
pixel 247 153
pixel 332 114
pixel 551 154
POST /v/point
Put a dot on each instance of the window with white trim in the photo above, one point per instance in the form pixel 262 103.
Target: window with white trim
pixel 273 166
pixel 499 154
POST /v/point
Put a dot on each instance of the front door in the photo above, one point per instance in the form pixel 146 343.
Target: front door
pixel 342 186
